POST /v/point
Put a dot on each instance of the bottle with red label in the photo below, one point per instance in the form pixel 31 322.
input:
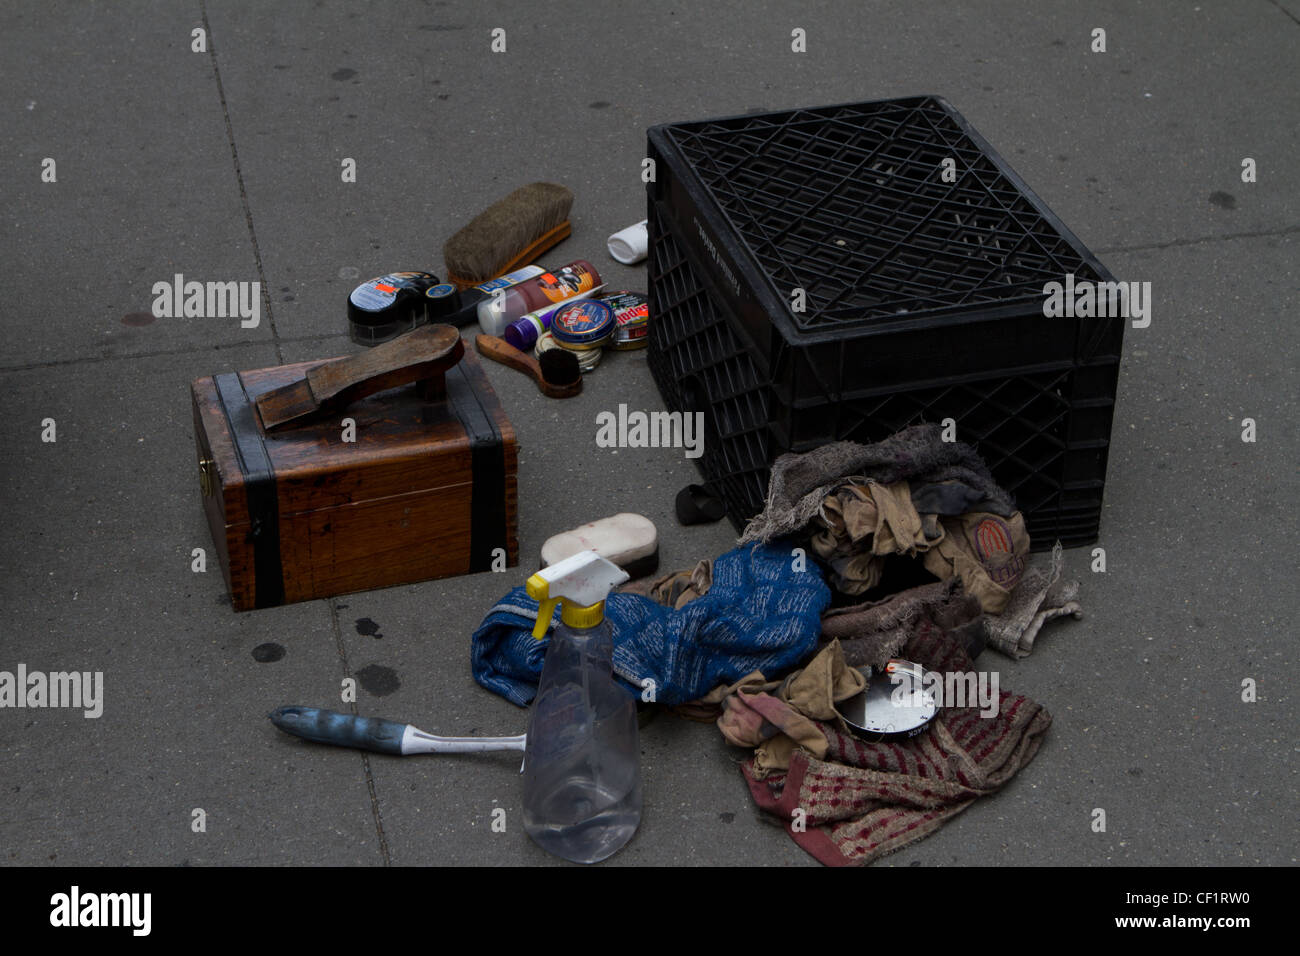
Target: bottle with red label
pixel 506 305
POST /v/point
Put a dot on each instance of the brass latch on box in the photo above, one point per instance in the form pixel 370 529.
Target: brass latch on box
pixel 207 476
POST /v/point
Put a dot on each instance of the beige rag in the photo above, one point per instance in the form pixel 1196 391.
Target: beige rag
pixel 677 589
pixel 862 522
pixel 987 552
pixel 776 717
pixel 1041 596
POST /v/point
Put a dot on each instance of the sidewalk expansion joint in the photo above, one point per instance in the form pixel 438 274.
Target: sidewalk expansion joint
pixel 365 757
pixel 239 176
pixel 162 353
pixel 1175 243
pixel 1294 18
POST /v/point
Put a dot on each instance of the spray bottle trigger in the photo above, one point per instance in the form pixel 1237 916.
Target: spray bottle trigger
pixel 539 589
pixel 545 609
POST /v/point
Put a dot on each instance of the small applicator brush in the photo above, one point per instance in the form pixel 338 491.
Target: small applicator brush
pixel 557 374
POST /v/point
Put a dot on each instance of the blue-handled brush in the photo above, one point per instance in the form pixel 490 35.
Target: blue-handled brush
pixel 380 736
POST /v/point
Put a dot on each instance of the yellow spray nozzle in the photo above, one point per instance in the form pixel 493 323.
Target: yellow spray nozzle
pixel 582 582
pixel 539 589
pixel 544 611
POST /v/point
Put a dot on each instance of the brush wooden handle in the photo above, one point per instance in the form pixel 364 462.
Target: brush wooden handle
pixel 499 350
pixel 422 355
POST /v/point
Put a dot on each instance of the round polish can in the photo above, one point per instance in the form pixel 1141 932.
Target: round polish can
pixel 586 324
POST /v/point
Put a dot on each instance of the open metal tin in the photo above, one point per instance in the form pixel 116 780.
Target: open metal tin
pixel 894 706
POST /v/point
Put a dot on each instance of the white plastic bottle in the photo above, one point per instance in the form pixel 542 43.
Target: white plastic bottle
pixel 582 764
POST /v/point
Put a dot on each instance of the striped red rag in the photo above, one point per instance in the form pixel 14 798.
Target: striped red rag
pixel 866 800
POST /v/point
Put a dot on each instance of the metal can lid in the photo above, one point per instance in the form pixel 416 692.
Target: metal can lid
pixel 631 317
pixel 622 300
pixel 587 323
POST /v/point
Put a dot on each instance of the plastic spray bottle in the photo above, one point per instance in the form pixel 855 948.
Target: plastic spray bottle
pixel 582 763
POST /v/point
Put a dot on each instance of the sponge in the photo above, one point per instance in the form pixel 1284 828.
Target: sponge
pixel 627 540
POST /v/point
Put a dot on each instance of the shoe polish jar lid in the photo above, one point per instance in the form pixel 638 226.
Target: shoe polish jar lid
pixel 583 325
pixel 631 319
pixel 440 301
pixel 383 308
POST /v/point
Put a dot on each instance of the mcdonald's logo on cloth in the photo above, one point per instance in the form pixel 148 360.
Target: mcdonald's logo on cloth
pixel 995 546
pixel 992 538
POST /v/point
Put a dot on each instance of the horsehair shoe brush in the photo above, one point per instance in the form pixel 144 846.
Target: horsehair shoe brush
pixel 508 234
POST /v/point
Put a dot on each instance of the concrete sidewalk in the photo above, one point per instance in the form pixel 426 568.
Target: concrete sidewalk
pixel 225 164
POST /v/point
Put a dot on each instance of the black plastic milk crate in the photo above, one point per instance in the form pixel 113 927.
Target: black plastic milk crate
pixel 922 300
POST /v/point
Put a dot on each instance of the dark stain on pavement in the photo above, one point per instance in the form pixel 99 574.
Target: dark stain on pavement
pixel 268 653
pixel 378 680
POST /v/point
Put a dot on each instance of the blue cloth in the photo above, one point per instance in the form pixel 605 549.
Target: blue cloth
pixel 759 614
